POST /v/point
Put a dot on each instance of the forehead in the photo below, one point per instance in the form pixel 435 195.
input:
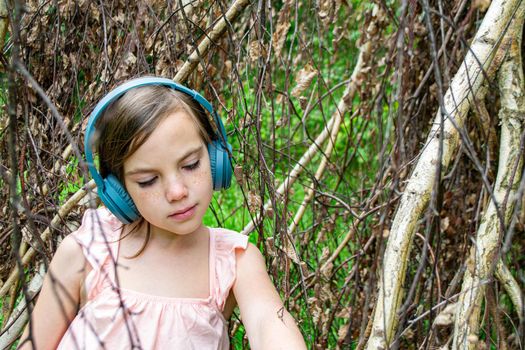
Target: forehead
pixel 172 137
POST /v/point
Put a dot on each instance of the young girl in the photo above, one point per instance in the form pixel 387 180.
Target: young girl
pixel 143 272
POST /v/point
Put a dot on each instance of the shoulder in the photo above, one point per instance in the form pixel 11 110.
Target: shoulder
pixel 247 256
pixel 226 246
pixel 68 248
pixel 68 260
pixel 59 297
pixel 66 270
pixel 97 226
pixel 250 258
pixel 251 270
pixel 100 217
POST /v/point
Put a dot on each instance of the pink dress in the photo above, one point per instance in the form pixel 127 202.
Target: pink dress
pixel 116 318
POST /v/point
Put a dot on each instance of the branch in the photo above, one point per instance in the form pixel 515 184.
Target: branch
pixel 486 247
pixel 457 102
pixel 212 36
pixel 14 326
pixel 62 213
pixel 342 107
pixel 294 174
pixel 4 23
pixel 511 286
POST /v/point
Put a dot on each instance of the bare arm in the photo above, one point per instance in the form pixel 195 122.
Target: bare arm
pixel 59 298
pixel 268 324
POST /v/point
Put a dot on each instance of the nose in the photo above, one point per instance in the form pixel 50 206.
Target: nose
pixel 175 190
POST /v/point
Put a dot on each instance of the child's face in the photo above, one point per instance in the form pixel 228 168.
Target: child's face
pixel 169 176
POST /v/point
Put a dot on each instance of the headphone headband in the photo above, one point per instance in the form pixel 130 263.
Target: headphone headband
pixel 120 90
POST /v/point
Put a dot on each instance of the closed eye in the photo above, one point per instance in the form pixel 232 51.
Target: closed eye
pixel 192 166
pixel 147 183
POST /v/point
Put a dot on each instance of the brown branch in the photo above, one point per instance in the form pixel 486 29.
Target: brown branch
pixel 219 28
pixel 62 213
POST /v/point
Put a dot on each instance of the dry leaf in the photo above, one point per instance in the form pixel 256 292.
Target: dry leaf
pixel 446 317
pixel 279 37
pixel 257 50
pixel 270 247
pixel 304 79
pixel 481 5
pixel 254 202
pixel 238 173
pixel 445 223
pixel 303 102
pixel 341 333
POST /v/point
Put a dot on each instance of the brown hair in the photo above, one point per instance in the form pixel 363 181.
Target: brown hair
pixel 129 121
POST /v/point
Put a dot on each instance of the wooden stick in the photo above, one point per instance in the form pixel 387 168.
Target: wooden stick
pixel 342 107
pixel 457 101
pixel 14 326
pixel 62 213
pixel 4 23
pixel 484 253
pixel 214 34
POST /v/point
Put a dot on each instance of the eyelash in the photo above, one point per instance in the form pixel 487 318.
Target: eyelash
pixel 147 183
pixel 193 166
pixel 150 182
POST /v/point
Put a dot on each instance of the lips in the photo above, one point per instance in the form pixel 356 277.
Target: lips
pixel 183 214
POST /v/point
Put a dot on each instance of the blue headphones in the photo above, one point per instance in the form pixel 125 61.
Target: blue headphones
pixel 111 191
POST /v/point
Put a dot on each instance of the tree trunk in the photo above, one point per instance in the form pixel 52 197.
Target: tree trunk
pixel 457 101
pixel 486 248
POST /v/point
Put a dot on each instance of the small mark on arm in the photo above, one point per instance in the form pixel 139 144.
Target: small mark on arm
pixel 280 314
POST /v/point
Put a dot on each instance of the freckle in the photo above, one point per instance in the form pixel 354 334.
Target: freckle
pixel 150 194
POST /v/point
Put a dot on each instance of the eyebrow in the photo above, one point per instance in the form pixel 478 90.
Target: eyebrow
pixel 147 170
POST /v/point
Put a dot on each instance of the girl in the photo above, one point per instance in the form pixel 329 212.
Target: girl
pixel 143 272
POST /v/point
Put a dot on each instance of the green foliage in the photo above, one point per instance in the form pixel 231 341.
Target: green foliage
pixel 74 181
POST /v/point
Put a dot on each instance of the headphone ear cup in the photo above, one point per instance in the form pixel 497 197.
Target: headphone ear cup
pixel 118 200
pixel 221 172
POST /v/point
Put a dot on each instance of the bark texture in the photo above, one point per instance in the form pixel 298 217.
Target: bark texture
pixel 457 101
pixel 4 22
pixel 485 251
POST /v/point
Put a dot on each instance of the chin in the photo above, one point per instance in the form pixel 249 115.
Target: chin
pixel 179 228
pixel 169 224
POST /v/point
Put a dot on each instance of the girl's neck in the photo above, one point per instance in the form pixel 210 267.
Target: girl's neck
pixel 172 240
pixel 169 241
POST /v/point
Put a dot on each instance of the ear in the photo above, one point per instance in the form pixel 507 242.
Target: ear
pixel 118 200
pixel 221 171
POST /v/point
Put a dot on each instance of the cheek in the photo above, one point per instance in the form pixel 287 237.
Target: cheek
pixel 202 176
pixel 140 198
pixel 148 195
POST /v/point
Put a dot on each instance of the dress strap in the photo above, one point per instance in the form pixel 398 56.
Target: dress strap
pixel 98 236
pixel 225 244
